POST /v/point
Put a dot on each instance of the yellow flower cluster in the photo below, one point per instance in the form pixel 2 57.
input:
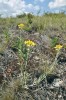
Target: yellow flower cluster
pixel 21 26
pixel 58 47
pixel 29 43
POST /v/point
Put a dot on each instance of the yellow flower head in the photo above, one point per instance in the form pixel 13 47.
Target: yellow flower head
pixel 21 26
pixel 29 43
pixel 58 47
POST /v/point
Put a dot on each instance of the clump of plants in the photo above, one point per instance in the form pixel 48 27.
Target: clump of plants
pixel 51 68
pixel 24 48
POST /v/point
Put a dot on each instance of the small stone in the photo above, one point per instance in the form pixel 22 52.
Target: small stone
pixel 59 96
pixel 57 83
pixel 36 58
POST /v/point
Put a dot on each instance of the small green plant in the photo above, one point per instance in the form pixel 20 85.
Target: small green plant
pixel 54 41
pixel 6 34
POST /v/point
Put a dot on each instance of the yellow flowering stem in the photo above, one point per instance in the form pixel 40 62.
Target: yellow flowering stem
pixel 28 44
